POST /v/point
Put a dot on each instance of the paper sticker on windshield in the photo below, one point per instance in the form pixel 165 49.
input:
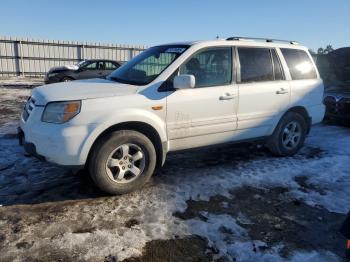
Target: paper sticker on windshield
pixel 177 50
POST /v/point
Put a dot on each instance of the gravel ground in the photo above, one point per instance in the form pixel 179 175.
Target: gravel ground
pixel 233 203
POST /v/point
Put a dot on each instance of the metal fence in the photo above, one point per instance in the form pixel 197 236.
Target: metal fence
pixel 29 57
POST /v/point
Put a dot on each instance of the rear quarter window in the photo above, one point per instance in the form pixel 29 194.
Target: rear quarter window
pixel 299 64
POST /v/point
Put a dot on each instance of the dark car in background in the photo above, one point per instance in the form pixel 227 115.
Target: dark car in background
pixel 335 71
pixel 93 68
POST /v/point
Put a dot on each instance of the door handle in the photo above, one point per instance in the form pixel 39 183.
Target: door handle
pixel 227 97
pixel 281 91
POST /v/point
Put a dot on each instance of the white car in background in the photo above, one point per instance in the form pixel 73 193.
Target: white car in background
pixel 173 97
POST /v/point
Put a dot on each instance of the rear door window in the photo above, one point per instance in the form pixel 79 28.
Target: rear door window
pixel 101 66
pixel 110 66
pixel 299 64
pixel 256 64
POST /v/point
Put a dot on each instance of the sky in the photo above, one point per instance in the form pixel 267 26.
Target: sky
pixel 314 23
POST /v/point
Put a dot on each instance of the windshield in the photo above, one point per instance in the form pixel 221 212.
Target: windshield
pixel 81 63
pixel 147 66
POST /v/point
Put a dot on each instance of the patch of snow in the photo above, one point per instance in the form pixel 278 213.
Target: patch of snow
pixel 313 256
pixel 330 172
pixel 20 81
pixel 129 244
pixel 233 242
pixel 9 128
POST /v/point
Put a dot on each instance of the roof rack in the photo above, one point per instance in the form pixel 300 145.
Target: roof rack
pixel 267 40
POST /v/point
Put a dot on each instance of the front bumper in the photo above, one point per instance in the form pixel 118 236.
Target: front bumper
pixel 60 144
pixel 29 148
pixel 51 80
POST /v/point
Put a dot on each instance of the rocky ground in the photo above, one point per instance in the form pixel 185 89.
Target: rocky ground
pixel 233 203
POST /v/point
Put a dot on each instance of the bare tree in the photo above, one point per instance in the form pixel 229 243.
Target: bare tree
pixel 328 49
pixel 320 51
pixel 325 51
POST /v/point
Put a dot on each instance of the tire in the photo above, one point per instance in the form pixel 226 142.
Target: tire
pixel 282 142
pixel 66 79
pixel 116 158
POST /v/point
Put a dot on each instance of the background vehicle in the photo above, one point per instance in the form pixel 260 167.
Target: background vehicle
pixel 337 101
pixel 335 72
pixel 93 68
pixel 173 97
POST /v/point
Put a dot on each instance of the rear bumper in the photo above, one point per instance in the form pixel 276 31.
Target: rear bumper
pixel 316 113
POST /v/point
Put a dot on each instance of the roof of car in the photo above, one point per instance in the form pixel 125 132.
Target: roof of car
pixel 108 60
pixel 244 41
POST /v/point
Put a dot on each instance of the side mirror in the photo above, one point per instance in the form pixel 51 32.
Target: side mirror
pixel 184 81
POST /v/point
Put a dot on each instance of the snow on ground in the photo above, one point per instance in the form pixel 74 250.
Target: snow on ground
pixel 240 246
pixel 92 225
pixel 28 179
pixel 12 100
pixel 22 81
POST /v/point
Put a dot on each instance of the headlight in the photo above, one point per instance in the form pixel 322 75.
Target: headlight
pixel 61 112
pixel 52 74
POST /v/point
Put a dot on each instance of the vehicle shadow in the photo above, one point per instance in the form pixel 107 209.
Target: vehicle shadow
pixel 72 186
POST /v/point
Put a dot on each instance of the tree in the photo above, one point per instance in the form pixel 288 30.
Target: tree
pixel 320 51
pixel 328 49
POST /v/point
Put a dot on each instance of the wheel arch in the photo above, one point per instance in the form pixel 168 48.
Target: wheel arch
pixel 142 127
pixel 296 109
pixel 304 113
pixel 67 76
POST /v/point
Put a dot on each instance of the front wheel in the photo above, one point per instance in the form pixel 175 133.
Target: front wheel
pixel 122 162
pixel 289 135
pixel 66 79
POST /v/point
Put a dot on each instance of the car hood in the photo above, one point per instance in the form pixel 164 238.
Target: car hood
pixel 63 68
pixel 80 90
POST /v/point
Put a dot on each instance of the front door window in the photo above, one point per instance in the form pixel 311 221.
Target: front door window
pixel 211 67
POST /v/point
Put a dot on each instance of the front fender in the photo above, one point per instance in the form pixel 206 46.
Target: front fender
pixel 122 116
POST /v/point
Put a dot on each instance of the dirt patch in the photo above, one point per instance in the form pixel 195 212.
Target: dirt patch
pixel 192 249
pixel 311 153
pixel 130 223
pixel 269 219
pixel 8 111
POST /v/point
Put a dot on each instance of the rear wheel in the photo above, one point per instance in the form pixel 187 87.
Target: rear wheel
pixel 122 162
pixel 289 135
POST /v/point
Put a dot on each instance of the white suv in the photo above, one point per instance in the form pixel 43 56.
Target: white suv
pixel 173 97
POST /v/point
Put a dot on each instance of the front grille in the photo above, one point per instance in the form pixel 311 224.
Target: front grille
pixel 28 108
pixel 338 107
